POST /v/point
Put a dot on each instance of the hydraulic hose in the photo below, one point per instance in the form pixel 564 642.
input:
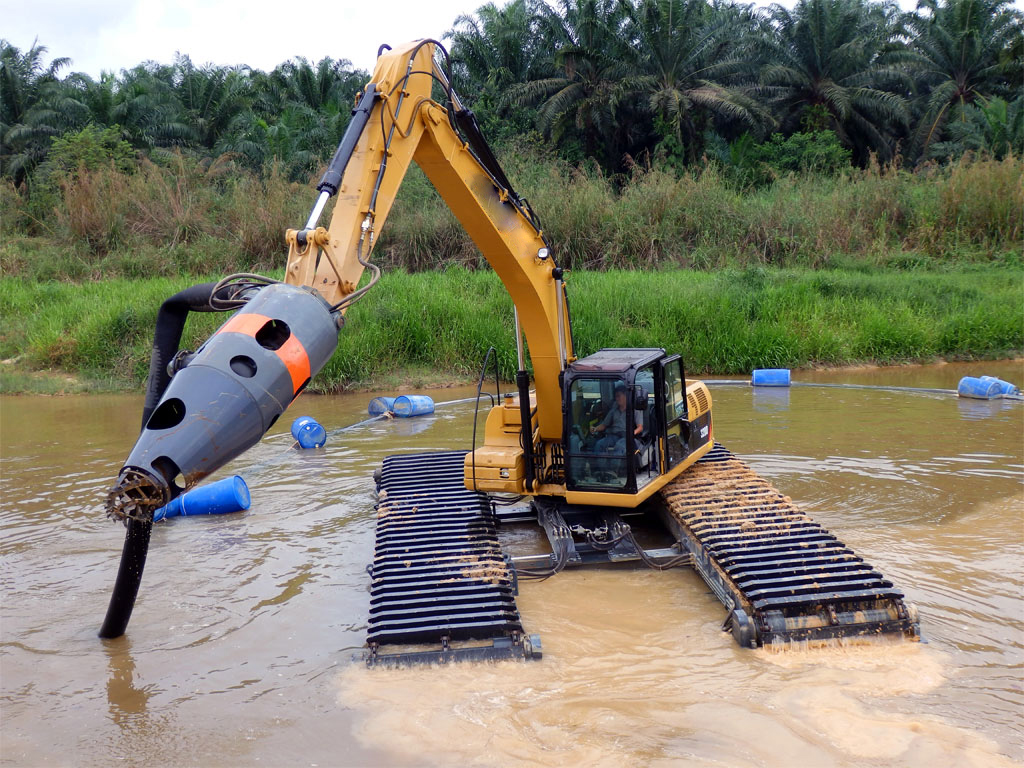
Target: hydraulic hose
pixel 170 323
pixel 523 386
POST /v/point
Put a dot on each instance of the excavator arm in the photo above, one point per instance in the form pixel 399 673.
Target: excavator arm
pixel 396 123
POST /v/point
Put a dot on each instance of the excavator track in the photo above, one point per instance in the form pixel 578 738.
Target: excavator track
pixel 439 577
pixel 443 590
pixel 783 577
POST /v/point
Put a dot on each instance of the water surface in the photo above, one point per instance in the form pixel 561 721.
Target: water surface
pixel 240 649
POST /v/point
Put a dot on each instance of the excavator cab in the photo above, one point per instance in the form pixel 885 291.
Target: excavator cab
pixel 626 420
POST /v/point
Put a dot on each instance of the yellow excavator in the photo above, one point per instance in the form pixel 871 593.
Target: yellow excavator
pixel 398 123
pixel 617 434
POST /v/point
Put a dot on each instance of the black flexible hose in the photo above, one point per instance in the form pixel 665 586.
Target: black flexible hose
pixel 170 323
pixel 129 577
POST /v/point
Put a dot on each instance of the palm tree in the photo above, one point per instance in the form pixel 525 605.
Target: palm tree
pixel 964 53
pixel 684 52
pixel 31 111
pixel 323 94
pixel 590 52
pixel 839 64
pixel 210 97
pixel 147 108
pixel 992 127
pixel 493 50
pixel 292 140
pixel 497 47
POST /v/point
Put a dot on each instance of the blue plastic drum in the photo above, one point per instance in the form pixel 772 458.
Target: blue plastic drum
pixel 413 405
pixel 1005 387
pixel 979 389
pixel 228 495
pixel 381 405
pixel 308 432
pixel 770 377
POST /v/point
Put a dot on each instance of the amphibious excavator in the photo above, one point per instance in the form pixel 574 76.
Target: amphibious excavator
pixel 611 454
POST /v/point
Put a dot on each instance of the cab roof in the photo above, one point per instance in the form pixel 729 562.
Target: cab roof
pixel 617 360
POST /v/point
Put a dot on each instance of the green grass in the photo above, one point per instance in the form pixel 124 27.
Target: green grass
pixel 433 326
pixel 101 331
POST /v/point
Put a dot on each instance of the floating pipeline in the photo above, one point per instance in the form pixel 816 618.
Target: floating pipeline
pixel 982 387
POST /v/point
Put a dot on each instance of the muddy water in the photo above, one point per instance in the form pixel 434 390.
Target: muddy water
pixel 239 652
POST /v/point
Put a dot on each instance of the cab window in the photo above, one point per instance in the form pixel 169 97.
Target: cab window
pixel 596 441
pixel 645 444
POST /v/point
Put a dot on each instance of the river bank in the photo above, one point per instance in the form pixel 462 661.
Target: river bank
pixel 433 328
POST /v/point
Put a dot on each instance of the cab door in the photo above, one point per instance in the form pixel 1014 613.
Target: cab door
pixel 672 403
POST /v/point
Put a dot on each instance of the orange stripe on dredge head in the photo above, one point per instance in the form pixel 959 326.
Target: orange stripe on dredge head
pixel 291 353
pixel 248 324
pixel 295 357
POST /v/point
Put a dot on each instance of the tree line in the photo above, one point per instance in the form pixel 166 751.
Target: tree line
pixel 620 83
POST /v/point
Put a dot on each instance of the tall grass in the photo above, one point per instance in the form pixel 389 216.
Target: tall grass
pixel 191 218
pixel 726 322
pixel 101 330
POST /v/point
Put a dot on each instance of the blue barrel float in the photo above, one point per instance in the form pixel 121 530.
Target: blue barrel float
pixel 228 495
pixel 413 405
pixel 381 405
pixel 1005 387
pixel 984 388
pixel 308 432
pixel 770 377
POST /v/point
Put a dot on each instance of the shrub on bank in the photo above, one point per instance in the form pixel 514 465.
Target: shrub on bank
pixel 187 216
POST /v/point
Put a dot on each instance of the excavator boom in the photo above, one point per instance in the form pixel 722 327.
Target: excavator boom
pixel 400 124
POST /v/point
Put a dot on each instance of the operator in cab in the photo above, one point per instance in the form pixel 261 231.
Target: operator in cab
pixel 614 425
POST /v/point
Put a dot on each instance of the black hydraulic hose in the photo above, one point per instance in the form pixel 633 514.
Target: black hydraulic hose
pixel 476 409
pixel 470 128
pixel 466 123
pixel 523 385
pixel 170 323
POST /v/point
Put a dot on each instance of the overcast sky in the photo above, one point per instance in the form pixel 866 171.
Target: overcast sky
pixel 115 34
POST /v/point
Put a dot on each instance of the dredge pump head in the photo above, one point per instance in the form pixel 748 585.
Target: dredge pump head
pixel 226 397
